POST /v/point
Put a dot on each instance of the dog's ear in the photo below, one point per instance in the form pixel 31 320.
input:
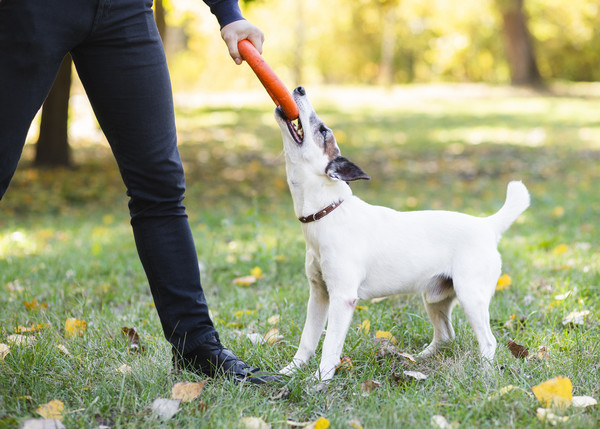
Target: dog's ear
pixel 343 169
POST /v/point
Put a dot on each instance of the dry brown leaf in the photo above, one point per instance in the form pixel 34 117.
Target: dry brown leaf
pixel 408 357
pixel 187 391
pixel 369 385
pixel 517 350
pixel 345 364
pixel 165 408
pixel 133 339
pixel 273 337
pixel 52 410
pixel 385 348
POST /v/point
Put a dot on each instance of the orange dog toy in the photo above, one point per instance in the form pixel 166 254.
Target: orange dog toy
pixel 276 89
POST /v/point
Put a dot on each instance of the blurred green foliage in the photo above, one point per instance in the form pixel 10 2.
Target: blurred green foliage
pixel 342 42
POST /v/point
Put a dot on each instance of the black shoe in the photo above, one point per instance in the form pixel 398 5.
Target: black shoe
pixel 212 359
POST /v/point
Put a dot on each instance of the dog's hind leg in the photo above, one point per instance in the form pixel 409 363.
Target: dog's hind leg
pixel 316 316
pixel 475 301
pixel 440 314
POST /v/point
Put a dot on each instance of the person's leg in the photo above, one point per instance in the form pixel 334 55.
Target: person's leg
pixel 123 69
pixel 35 35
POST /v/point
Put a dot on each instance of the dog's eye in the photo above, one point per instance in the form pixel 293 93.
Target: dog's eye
pixel 324 130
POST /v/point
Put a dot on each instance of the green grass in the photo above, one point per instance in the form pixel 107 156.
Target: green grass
pixel 65 241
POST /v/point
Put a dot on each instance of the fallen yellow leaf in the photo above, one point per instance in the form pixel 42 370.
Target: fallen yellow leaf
pixel 74 327
pixel 558 211
pixel 33 328
pixel 387 335
pixel 244 281
pixel 503 282
pixel 34 305
pixel 365 326
pixel 187 391
pixel 321 423
pixel 557 391
pixel 560 249
pixel 52 410
pixel 256 272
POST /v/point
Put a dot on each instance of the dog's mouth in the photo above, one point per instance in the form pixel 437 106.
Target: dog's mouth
pixel 294 127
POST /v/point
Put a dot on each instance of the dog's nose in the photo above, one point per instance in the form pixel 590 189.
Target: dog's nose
pixel 300 90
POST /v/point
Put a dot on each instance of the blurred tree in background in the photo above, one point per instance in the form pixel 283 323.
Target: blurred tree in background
pixel 384 42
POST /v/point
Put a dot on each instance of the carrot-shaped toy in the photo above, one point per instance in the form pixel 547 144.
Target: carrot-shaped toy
pixel 276 89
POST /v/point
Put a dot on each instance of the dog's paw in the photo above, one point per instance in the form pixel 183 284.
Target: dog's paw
pixel 291 369
pixel 428 352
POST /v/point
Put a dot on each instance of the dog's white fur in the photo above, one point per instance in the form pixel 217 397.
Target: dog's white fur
pixel 360 251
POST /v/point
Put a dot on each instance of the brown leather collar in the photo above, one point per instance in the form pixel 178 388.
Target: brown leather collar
pixel 320 214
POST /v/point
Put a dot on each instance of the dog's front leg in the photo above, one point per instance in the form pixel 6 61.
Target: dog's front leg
pixel 316 315
pixel 341 309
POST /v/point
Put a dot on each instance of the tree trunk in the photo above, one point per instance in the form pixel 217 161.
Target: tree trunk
pixel 388 45
pixel 159 17
pixel 519 47
pixel 298 60
pixel 52 148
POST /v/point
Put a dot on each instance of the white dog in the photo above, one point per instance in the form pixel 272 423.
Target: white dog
pixel 358 251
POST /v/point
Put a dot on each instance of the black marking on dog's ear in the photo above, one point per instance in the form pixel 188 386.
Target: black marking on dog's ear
pixel 343 169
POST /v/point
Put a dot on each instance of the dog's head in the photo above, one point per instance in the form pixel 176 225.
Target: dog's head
pixel 311 145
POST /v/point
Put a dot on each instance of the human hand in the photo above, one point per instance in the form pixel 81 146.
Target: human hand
pixel 235 31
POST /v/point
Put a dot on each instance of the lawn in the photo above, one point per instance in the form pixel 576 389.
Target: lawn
pixel 66 251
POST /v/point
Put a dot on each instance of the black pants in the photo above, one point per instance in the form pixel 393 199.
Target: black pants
pixel 120 60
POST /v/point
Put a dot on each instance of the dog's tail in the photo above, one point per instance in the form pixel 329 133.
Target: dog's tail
pixel 517 200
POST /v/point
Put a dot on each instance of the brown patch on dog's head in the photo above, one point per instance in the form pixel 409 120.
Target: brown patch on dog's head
pixel 324 138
